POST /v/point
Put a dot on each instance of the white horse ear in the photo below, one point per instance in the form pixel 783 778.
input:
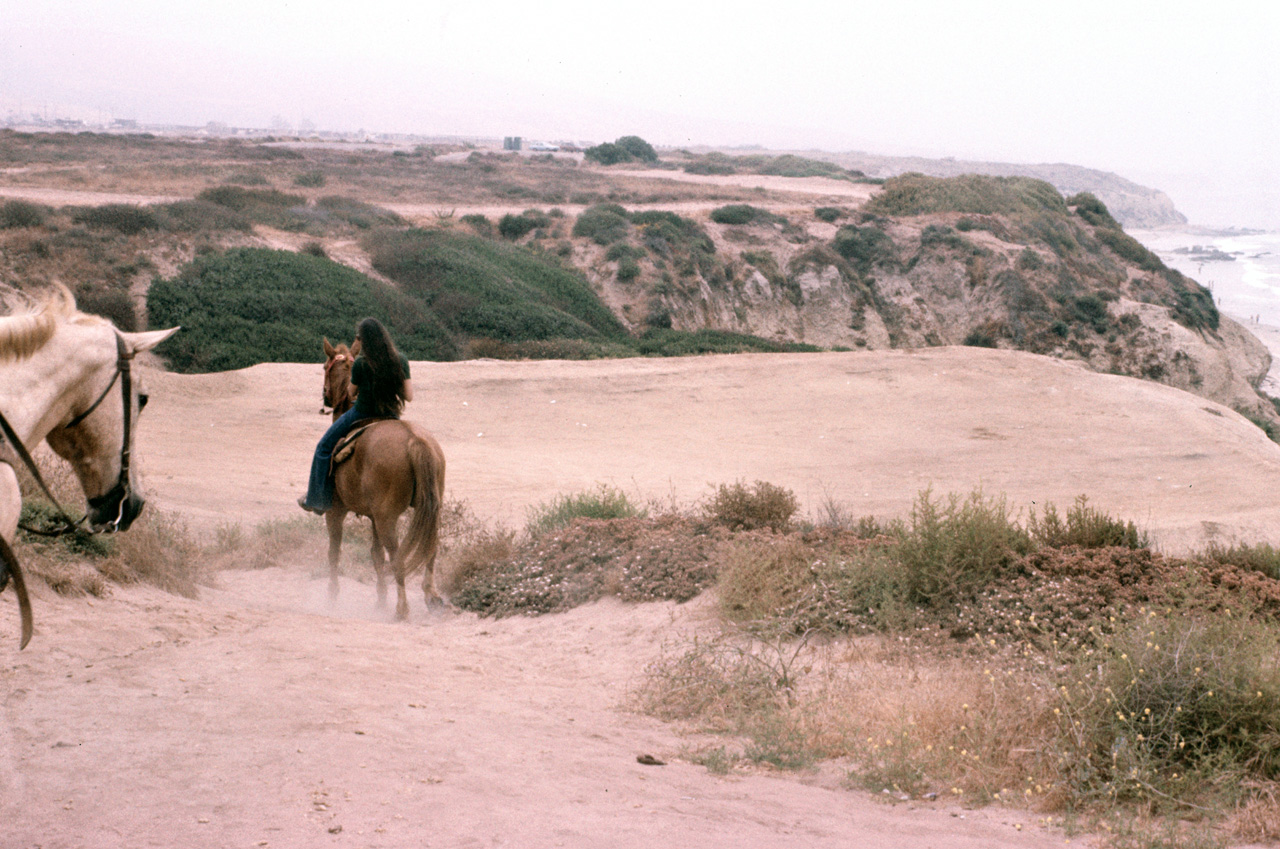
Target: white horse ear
pixel 139 342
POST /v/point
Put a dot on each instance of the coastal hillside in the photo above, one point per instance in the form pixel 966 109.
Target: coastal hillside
pixel 469 253
pixel 1132 204
pixel 1001 262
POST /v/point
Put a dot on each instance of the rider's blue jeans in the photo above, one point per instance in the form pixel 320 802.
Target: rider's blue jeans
pixel 320 484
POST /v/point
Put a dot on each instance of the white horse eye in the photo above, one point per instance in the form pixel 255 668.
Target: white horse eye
pixel 143 398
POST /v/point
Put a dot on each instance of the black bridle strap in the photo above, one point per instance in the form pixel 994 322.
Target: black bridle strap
pixel 124 362
pixel 25 456
pixel 78 419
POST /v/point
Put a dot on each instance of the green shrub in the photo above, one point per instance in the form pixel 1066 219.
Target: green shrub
pixel 790 165
pixel 514 226
pixel 1172 707
pixel 638 148
pixel 1092 310
pixel 940 235
pixel 199 216
pixel 864 247
pixel 309 179
pixel 828 214
pixel 948 550
pixel 763 581
pixel 124 218
pixel 1092 210
pixel 253 305
pixel 1193 306
pixel 785 584
pixel 744 508
pixel 247 178
pixel 1084 526
pixel 663 342
pixel 712 165
pixel 249 200
pixel 478 223
pixel 767 264
pixel 603 502
pixel 1129 249
pixel 972 194
pixel 1257 558
pixel 628 270
pixel 608 154
pixel 484 288
pixel 980 338
pixel 21 213
pixel 1029 260
pixel 739 213
pixel 271 207
pixel 673 237
pixel 621 250
pixel 359 214
pixel 625 149
pixel 1056 231
pixel 603 224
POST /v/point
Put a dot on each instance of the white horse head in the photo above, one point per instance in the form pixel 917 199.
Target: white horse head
pixel 98 440
pixel 67 377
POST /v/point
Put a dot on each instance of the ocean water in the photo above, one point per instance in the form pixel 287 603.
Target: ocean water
pixel 1242 269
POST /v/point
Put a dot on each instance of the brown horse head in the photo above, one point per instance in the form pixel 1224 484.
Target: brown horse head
pixel 337 376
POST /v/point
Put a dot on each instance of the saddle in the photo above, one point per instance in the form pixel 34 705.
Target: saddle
pixel 347 445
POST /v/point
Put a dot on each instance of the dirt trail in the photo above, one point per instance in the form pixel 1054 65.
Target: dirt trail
pixel 258 715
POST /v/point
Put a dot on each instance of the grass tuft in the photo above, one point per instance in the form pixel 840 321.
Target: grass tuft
pixel 603 502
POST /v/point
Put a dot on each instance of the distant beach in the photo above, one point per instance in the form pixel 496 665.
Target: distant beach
pixel 1240 267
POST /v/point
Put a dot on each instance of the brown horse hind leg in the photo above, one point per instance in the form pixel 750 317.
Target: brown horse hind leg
pixel 433 599
pixel 333 519
pixel 384 535
pixel 378 557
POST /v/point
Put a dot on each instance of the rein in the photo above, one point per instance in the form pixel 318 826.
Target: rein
pixel 124 364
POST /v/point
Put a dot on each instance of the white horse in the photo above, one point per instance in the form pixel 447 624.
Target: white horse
pixel 66 377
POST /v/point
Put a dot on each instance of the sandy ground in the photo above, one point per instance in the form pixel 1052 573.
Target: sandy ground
pixel 259 715
pixel 852 192
pixel 867 430
pixel 72 197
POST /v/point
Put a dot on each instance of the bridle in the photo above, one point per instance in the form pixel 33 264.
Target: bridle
pixel 122 488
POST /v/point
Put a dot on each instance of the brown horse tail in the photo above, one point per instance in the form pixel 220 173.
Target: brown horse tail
pixel 423 535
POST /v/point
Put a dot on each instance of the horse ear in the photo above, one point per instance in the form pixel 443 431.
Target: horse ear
pixel 329 350
pixel 139 342
pixel 355 347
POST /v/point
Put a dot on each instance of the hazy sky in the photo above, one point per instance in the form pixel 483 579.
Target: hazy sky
pixel 1181 95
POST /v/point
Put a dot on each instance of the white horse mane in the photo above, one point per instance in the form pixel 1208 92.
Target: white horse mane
pixel 23 334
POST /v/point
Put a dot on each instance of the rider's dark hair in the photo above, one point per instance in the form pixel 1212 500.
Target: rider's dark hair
pixel 387 387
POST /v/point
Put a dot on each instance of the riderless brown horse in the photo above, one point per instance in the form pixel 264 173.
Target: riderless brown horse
pixel 393 465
